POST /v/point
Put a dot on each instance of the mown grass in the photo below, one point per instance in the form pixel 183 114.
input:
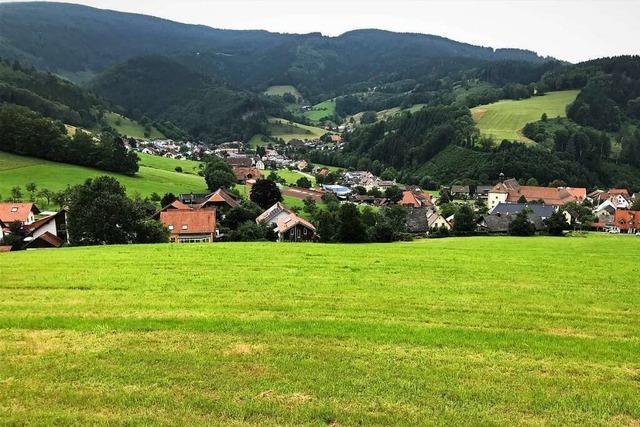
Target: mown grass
pixel 131 128
pixel 19 170
pixel 320 111
pixel 506 119
pixel 288 130
pixel 292 176
pixel 164 163
pixel 281 90
pixel 476 331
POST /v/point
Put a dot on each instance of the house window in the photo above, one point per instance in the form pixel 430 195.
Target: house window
pixel 170 228
pixel 14 209
pixel 185 227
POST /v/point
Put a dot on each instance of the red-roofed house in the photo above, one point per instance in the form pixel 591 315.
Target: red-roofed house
pixel 510 191
pixel 627 221
pixel 220 200
pixel 416 199
pixel 336 138
pixel 190 226
pixel 175 205
pixel 246 174
pixel 23 212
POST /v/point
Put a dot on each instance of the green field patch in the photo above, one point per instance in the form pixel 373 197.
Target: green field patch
pixel 288 130
pixel 320 111
pixel 131 128
pixel 167 164
pixel 282 89
pixel 439 331
pixel 506 119
pixel 19 170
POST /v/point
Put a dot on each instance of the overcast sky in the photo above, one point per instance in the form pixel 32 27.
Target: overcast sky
pixel 567 29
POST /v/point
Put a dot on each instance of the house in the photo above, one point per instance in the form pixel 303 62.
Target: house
pixel 499 224
pixel 295 229
pixel 175 205
pixel 221 200
pixel 190 199
pixel 323 171
pixel 23 212
pixel 246 175
pixel 260 165
pixel 288 226
pixel 47 232
pixel 470 191
pixel 274 214
pixel 627 221
pixel 336 138
pixel 190 225
pixel 543 211
pixel 435 220
pixel 302 164
pixel 510 191
pixel 416 199
pixel 240 161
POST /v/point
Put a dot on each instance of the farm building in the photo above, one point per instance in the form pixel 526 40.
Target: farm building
pixel 190 225
pixel 23 212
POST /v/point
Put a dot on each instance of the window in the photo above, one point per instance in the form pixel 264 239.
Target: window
pixel 14 209
pixel 185 227
pixel 170 228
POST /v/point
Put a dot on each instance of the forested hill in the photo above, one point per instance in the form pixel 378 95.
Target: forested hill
pixel 79 41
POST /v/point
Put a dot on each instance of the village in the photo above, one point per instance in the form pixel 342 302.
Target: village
pixel 196 218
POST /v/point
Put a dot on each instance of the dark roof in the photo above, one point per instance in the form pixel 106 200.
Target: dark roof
pixel 417 219
pixel 242 161
pixel 500 223
pixel 544 211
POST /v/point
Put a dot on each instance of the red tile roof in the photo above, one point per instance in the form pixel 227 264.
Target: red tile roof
pixel 200 221
pixel 10 212
pixel 626 220
pixel 551 196
pixel 416 199
pixel 221 196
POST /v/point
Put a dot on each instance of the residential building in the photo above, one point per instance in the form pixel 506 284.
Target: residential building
pixel 543 211
pixel 627 221
pixel 435 220
pixel 275 213
pixel 220 200
pixel 246 175
pixel 190 225
pixel 289 226
pixel 23 212
pixel 510 191
pixel 416 199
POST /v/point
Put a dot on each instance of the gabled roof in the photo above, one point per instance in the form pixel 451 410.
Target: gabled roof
pixel 551 196
pixel 625 220
pixel 46 240
pixel 272 212
pixel 197 221
pixel 291 221
pixel 415 199
pixel 416 219
pixel 544 211
pixel 175 205
pixel 433 217
pixel 220 196
pixel 10 212
pixel 243 173
pixel 43 221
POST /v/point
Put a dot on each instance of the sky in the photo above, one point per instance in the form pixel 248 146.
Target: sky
pixel 571 30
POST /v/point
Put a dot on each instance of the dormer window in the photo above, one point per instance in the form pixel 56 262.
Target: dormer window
pixel 14 209
pixel 185 227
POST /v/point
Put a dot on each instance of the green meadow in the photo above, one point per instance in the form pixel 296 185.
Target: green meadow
pixel 475 331
pixel 130 128
pixel 288 130
pixel 506 119
pixel 156 174
pixel 281 90
pixel 319 111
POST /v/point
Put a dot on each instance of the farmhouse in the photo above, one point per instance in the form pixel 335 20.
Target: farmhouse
pixel 543 211
pixel 221 200
pixel 274 214
pixel 190 225
pixel 47 232
pixel 23 212
pixel 435 220
pixel 511 191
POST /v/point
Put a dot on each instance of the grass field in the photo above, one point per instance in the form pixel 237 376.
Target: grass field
pixel 164 163
pixel 481 331
pixel 155 177
pixel 505 119
pixel 281 90
pixel 292 176
pixel 128 127
pixel 288 130
pixel 319 111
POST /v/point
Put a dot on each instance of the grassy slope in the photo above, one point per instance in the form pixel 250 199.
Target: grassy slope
pixel 281 90
pixel 292 176
pixel 505 119
pixel 19 170
pixel 130 127
pixel 321 110
pixel 288 130
pixel 163 163
pixel 451 331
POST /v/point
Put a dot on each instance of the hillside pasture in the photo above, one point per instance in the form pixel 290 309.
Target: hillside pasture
pixel 288 130
pixel 130 128
pixel 320 111
pixel 506 119
pixel 19 170
pixel 282 89
pixel 483 331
